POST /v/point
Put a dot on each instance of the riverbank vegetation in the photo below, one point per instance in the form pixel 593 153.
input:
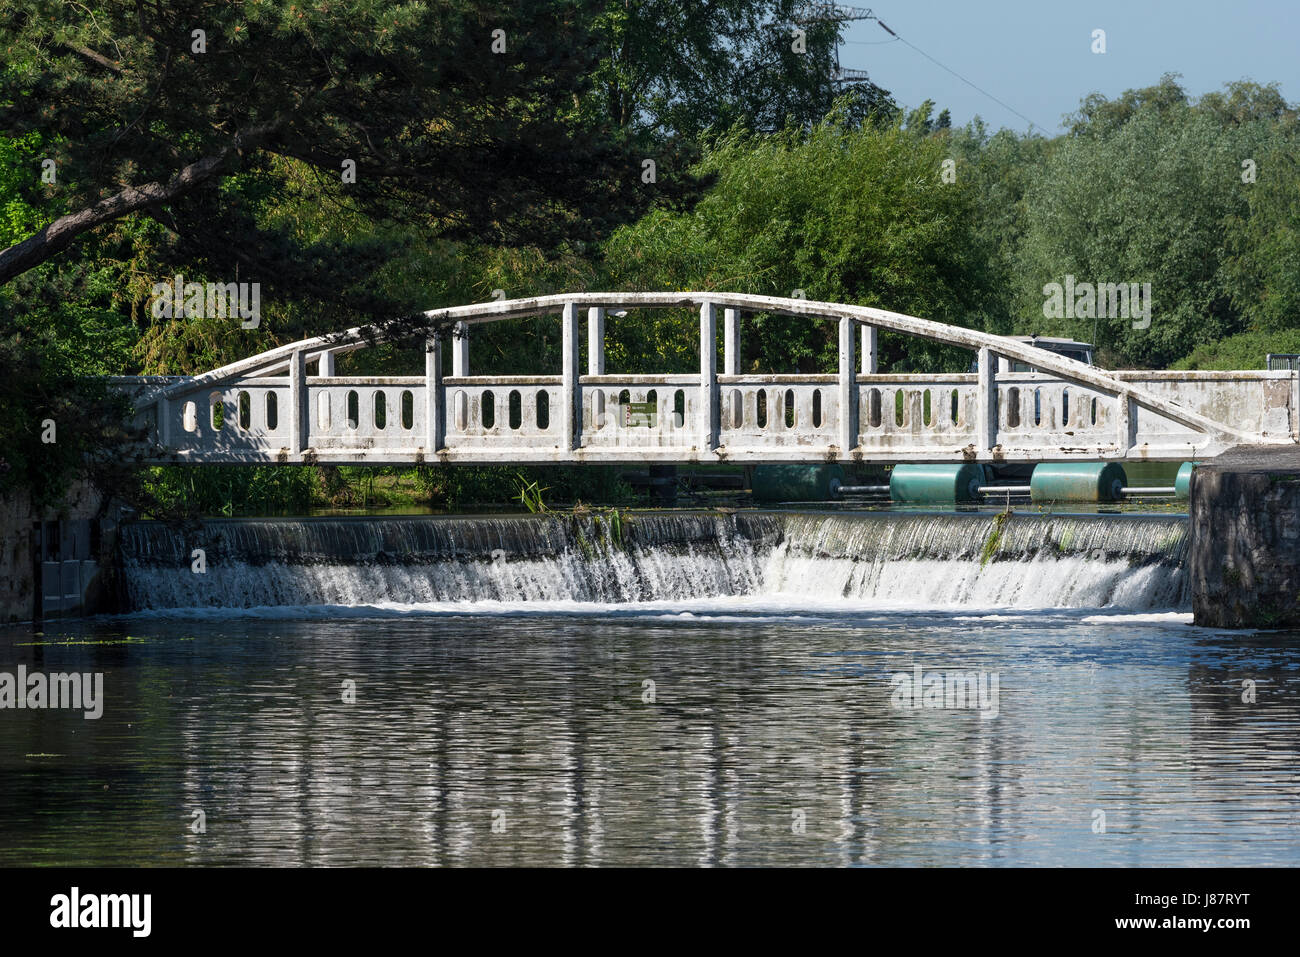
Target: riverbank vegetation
pixel 525 172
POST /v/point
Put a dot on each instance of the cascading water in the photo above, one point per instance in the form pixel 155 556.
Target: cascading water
pixel 804 559
pixel 593 558
pixel 1021 561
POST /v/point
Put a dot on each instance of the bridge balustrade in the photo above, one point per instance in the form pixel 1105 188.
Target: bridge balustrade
pixel 269 409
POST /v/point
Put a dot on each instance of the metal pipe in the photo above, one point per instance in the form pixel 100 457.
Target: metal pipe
pixel 1156 490
pixel 1009 489
pixel 863 489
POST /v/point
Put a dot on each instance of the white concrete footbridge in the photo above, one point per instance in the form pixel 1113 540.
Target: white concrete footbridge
pixel 287 405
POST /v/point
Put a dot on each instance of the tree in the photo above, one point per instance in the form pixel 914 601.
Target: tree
pixel 674 69
pixel 845 215
pixel 1145 189
pixel 1000 167
pixel 458 117
pixel 1263 264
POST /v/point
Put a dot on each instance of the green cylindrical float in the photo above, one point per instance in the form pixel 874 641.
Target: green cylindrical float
pixel 1183 481
pixel 933 484
pixel 1077 482
pixel 797 483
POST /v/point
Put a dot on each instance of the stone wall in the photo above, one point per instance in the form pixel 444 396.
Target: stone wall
pixel 1245 527
pixel 16 518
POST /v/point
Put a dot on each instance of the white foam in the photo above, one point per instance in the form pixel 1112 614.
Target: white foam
pixel 826 568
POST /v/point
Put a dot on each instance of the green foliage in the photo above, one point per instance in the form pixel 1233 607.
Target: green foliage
pixel 680 69
pixel 857 215
pixel 19 165
pixel 55 425
pixel 1246 350
pixel 994 539
pixel 530 495
pixel 445 134
pixel 1149 188
pixel 233 489
pixel 1263 264
pixel 616 527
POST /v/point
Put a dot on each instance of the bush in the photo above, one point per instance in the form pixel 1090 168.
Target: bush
pixel 1248 350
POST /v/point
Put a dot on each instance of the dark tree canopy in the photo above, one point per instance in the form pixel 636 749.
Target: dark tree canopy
pixel 140 113
pixel 674 69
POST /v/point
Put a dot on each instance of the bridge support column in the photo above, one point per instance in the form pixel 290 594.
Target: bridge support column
pixel 460 349
pixel 708 409
pixel 298 424
pixel 325 365
pixel 869 350
pixel 987 410
pixel 572 428
pixel 1244 554
pixel 848 391
pixel 434 397
pixel 731 342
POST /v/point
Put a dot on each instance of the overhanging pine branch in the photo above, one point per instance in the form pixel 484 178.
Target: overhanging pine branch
pixel 60 234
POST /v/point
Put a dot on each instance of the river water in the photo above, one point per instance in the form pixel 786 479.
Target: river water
pixel 692 690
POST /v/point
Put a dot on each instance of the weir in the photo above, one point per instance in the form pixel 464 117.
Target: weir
pixel 806 560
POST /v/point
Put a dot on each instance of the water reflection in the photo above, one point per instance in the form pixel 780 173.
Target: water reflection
pixel 767 742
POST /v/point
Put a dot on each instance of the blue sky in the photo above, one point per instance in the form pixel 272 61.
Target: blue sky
pixel 1035 55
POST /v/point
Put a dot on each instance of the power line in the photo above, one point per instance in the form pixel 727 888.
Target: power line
pixel 1005 106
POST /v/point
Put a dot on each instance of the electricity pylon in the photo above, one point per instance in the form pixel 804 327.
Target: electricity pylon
pixel 814 11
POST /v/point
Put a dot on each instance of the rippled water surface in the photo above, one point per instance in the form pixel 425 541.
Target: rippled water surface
pixel 771 739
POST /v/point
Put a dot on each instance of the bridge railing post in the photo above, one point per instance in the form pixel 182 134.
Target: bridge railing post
pixel 987 399
pixel 1295 406
pixel 708 409
pixel 869 350
pixel 298 424
pixel 164 415
pixel 460 349
pixel 730 341
pixel 434 395
pixel 595 363
pixel 1125 422
pixel 848 391
pixel 596 340
pixel 571 387
pixel 460 366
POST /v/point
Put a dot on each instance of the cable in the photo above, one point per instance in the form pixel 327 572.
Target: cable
pixel 1031 123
